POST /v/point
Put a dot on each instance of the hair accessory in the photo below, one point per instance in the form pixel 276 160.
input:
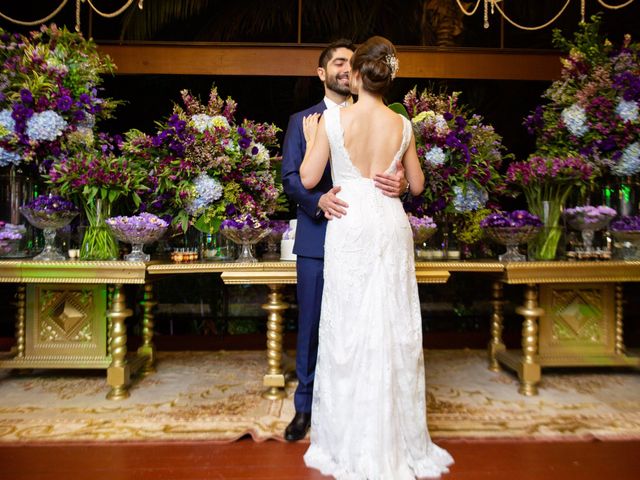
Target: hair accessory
pixel 393 64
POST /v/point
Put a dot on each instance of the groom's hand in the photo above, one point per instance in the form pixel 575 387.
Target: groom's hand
pixel 392 184
pixel 331 205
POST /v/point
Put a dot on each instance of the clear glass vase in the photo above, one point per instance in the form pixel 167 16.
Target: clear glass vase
pixel 16 189
pixel 98 242
pixel 49 222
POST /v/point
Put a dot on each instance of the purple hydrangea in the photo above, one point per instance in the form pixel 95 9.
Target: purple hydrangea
pixel 51 204
pixel 142 228
pixel 626 224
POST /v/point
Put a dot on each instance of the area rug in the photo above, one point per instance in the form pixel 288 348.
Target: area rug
pixel 215 396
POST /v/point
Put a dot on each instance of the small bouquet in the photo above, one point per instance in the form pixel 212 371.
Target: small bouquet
pixel 10 235
pixel 626 224
pixel 515 219
pixel 137 230
pixel 588 217
pixel 245 230
pixel 422 227
pixel 49 211
pixel 511 229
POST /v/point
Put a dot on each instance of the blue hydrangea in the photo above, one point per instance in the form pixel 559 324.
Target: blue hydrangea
pixel 435 156
pixel 629 163
pixel 207 191
pixel 47 125
pixel 628 110
pixel 201 122
pixel 469 198
pixel 8 158
pixel 6 120
pixel 575 118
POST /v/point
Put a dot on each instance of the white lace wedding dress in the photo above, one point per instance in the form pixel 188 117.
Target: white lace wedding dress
pixel 369 413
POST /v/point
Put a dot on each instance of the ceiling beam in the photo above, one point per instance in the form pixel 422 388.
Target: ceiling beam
pixel 300 60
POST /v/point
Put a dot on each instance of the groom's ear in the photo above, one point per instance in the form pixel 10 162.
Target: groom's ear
pixel 322 74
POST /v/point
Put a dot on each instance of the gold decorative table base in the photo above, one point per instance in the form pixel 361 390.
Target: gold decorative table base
pixel 578 322
pixel 64 318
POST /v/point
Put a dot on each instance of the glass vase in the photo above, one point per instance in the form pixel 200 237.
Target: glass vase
pixel 547 202
pixel 98 242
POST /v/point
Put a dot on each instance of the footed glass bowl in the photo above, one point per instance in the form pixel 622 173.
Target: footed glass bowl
pixel 422 234
pixel 245 237
pixel 48 222
pixel 587 229
pixel 512 237
pixel 137 238
pixel 627 243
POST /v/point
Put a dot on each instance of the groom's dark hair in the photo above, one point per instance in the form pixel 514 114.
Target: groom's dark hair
pixel 327 53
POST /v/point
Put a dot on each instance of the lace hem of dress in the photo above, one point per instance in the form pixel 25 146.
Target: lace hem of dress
pixel 432 466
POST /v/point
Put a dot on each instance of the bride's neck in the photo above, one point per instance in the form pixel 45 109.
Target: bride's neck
pixel 367 98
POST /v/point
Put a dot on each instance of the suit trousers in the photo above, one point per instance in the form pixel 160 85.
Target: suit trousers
pixel 310 283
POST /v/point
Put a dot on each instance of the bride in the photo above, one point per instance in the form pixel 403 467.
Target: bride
pixel 369 412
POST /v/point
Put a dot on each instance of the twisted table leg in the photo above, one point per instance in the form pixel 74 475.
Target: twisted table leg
pixel 118 373
pixel 274 379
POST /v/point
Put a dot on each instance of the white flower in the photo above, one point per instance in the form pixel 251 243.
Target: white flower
pixel 262 156
pixel 6 121
pixel 435 156
pixel 629 163
pixel 575 118
pixel 628 110
pixel 201 122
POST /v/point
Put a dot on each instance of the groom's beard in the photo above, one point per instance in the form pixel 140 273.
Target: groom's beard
pixel 335 84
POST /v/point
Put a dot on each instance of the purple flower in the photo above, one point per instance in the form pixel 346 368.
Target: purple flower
pixel 64 103
pixel 26 96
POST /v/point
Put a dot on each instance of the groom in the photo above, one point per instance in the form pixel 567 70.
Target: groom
pixel 314 207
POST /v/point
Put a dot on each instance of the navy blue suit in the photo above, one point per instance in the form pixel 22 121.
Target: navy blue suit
pixel 309 248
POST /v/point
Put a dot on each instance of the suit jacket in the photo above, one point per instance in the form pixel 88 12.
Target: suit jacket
pixel 312 225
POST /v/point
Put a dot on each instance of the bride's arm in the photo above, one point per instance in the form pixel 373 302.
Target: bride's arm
pixel 317 153
pixel 413 172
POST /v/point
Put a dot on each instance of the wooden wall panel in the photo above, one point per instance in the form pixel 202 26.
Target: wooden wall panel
pixel 300 60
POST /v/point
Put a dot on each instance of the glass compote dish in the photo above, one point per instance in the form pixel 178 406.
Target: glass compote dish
pixel 277 227
pixel 511 229
pixel 10 236
pixel 589 219
pixel 626 233
pixel 49 213
pixel 245 231
pixel 137 230
pixel 423 229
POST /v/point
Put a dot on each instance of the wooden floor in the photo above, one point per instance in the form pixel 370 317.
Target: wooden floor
pixel 271 460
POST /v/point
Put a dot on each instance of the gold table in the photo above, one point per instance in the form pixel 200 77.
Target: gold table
pixel 277 274
pixel 66 318
pixel 573 316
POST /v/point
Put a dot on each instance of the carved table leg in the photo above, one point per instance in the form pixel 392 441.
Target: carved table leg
pixel 530 370
pixel 21 303
pixel 274 379
pixel 619 316
pixel 495 344
pixel 148 349
pixel 118 373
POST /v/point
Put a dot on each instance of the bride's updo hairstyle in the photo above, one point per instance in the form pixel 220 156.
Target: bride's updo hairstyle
pixel 377 63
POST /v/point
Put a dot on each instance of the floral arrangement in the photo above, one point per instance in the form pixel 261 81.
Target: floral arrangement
pixel 49 94
pixel 10 235
pixel 514 219
pixel 460 155
pixel 278 227
pixel 99 172
pixel 205 168
pixel 142 228
pixel 547 183
pixel 626 224
pixel 244 221
pixel 50 206
pixel 593 109
pixel 421 222
pixel 590 217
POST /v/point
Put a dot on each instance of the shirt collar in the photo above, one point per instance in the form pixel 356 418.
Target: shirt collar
pixel 330 103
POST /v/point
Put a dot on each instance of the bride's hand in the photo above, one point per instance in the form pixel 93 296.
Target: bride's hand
pixel 310 125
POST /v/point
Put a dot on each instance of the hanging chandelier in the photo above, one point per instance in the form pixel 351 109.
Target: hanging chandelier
pixel 57 10
pixel 490 6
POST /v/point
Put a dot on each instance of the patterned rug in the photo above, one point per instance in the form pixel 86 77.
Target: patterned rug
pixel 215 396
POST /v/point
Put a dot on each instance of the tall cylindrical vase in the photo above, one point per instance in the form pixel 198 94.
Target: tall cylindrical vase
pixel 16 189
pixel 548 244
pixel 98 242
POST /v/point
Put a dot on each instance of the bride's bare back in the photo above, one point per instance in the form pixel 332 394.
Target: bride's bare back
pixel 372 137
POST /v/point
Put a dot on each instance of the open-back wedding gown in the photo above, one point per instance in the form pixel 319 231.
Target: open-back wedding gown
pixel 369 413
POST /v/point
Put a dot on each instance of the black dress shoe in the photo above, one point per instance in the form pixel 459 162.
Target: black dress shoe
pixel 298 427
